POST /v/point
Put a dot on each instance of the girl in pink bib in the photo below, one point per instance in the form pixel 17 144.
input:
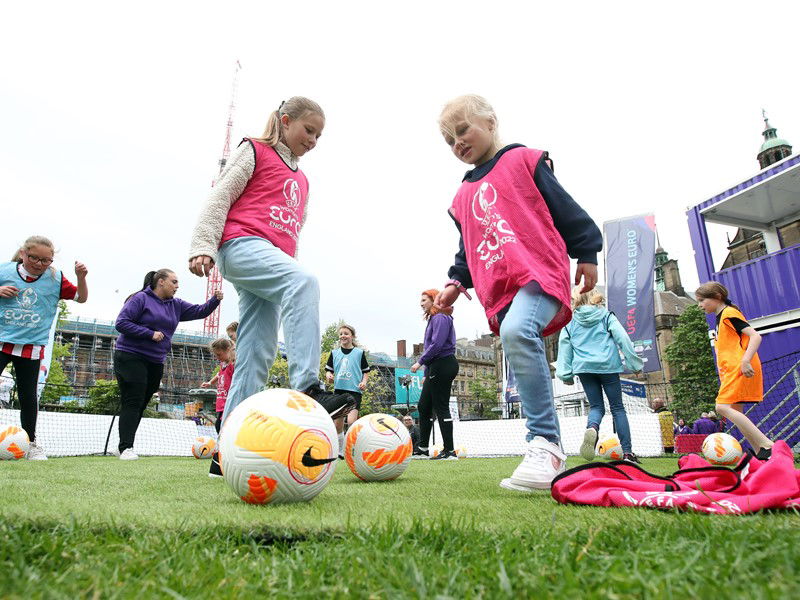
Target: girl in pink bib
pixel 518 229
pixel 249 227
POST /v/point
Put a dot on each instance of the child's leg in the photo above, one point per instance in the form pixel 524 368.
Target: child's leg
pixel 521 334
pixel 270 274
pixel 613 389
pixel 733 412
pixel 256 347
pixel 594 393
pixel 26 373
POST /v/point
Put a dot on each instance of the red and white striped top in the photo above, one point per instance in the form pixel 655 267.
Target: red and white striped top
pixel 34 351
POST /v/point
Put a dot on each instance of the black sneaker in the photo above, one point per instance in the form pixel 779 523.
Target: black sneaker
pixel 445 455
pixel 631 458
pixel 337 405
pixel 214 470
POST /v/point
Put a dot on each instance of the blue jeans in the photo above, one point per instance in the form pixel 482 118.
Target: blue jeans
pixel 593 385
pixel 521 334
pixel 273 288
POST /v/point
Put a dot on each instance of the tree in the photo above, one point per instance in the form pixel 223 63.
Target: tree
pixel 378 396
pixel 484 396
pixel 696 384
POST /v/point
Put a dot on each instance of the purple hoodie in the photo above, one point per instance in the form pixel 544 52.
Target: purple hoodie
pixel 145 313
pixel 440 339
pixel 703 425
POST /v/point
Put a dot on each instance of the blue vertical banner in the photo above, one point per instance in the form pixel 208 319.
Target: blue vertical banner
pixel 630 262
pixel 510 392
pixel 411 393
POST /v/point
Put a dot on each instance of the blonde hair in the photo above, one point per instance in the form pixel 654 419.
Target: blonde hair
pixel 590 298
pixel 352 331
pixel 34 240
pixel 466 108
pixel 295 107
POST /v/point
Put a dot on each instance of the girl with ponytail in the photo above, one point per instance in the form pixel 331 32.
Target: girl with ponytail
pixel 249 227
pixel 737 362
pixel 146 324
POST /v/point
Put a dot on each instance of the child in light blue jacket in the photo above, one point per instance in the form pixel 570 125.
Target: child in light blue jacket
pixel 596 348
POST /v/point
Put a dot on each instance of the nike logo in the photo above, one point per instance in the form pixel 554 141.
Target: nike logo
pixel 310 461
pixel 382 421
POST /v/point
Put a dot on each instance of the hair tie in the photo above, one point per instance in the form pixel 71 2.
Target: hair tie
pixel 728 301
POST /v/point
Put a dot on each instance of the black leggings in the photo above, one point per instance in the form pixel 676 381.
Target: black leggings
pixel 138 380
pixel 26 376
pixel 435 398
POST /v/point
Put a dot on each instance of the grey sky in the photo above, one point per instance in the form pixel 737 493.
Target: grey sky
pixel 113 120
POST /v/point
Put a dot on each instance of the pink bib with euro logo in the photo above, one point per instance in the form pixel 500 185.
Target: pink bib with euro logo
pixel 510 239
pixel 272 205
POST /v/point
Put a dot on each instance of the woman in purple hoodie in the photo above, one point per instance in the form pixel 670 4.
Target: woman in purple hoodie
pixel 441 368
pixel 146 324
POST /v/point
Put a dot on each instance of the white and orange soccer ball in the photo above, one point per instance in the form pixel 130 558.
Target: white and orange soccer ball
pixel 203 447
pixel 278 446
pixel 722 449
pixel 609 447
pixel 14 443
pixel 378 448
pixel 461 452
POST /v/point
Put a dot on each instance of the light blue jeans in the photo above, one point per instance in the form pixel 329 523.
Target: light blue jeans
pixel 594 384
pixel 273 288
pixel 521 334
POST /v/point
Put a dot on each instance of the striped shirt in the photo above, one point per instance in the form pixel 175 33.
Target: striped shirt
pixel 34 351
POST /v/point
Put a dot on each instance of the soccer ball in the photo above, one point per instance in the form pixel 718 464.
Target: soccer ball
pixel 609 447
pixel 14 443
pixel 203 447
pixel 461 452
pixel 377 448
pixel 278 446
pixel 722 449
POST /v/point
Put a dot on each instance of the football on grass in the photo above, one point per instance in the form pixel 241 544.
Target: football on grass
pixel 377 448
pixel 609 447
pixel 722 449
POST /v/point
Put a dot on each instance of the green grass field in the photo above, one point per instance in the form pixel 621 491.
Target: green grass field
pixel 159 528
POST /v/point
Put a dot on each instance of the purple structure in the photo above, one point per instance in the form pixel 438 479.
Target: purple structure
pixel 767 288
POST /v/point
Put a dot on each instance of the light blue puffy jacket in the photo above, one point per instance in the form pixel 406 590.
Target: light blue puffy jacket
pixel 592 343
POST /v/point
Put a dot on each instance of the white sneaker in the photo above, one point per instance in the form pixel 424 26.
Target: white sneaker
pixel 542 462
pixel 128 454
pixel 589 443
pixel 36 452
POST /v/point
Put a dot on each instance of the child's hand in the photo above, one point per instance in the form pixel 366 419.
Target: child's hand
pixel 747 369
pixel 80 270
pixel 328 376
pixel 205 384
pixel 589 273
pixel 446 297
pixel 362 386
pixel 8 291
pixel 201 265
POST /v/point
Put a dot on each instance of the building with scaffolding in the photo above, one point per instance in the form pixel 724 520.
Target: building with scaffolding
pixel 92 341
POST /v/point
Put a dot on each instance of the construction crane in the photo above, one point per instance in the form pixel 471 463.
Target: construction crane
pixel 211 322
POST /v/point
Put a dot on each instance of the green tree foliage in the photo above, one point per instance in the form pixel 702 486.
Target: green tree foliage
pixel 57 383
pixel 278 375
pixel 378 395
pixel 696 384
pixel 483 398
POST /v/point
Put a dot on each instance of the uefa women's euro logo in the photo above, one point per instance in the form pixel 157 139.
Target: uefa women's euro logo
pixel 485 197
pixel 291 191
pixel 27 298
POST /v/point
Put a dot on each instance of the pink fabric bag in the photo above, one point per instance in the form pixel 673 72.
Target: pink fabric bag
pixel 698 485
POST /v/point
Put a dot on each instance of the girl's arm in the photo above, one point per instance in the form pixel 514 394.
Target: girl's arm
pixel 458 272
pixel 329 368
pixel 564 360
pixel 752 348
pixel 230 185
pixel 365 369
pixel 83 290
pixel 211 381
pixel 633 361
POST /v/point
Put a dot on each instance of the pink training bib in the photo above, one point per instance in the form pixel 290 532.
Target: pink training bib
pixel 510 239
pixel 272 205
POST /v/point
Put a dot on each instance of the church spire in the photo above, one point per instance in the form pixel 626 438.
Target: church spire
pixel 774 148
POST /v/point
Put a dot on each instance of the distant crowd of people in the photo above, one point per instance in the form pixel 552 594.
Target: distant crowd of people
pixel 707 423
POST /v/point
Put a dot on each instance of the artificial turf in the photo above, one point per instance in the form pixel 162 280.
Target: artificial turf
pixel 158 527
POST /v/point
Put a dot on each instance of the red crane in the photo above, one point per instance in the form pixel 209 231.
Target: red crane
pixel 211 322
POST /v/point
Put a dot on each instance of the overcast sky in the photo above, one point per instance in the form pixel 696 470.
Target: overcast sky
pixel 113 121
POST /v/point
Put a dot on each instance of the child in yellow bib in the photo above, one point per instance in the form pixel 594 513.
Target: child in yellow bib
pixel 737 362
